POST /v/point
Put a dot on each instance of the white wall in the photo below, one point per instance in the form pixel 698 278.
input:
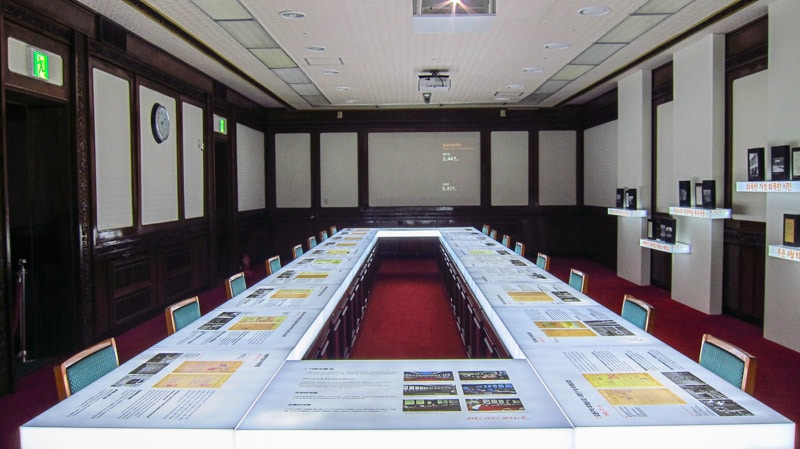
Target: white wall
pixel 600 165
pixel 666 189
pixel 293 170
pixel 338 166
pixel 509 161
pixel 557 174
pixel 782 280
pixel 158 162
pixel 193 161
pixel 750 113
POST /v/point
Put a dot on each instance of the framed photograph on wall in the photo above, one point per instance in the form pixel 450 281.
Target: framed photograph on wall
pixel 620 198
pixel 666 230
pixel 650 225
pixel 685 193
pixel 630 199
pixel 698 194
pixel 755 164
pixel 709 194
pixel 779 162
pixel 791 231
pixel 796 164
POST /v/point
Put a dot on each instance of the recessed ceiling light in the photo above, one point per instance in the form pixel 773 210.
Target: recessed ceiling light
pixel 532 69
pixel 557 45
pixel 594 11
pixel 342 88
pixel 515 87
pixel 315 48
pixel 330 72
pixel 500 99
pixel 292 14
pixel 351 101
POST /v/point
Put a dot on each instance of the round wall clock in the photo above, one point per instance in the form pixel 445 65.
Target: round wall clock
pixel 159 119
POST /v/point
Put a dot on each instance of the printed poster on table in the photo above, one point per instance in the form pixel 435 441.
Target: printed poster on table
pixel 533 294
pixel 291 296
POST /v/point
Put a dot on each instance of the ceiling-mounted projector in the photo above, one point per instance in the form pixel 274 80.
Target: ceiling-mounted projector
pixel 433 82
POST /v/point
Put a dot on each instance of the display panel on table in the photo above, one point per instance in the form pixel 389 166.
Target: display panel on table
pixel 652 396
pixel 263 295
pixel 245 329
pixel 494 275
pixel 570 326
pixel 457 403
pixel 166 397
pixel 533 293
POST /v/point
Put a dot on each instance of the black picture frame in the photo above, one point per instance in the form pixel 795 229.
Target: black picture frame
pixel 796 164
pixel 620 198
pixel 630 199
pixel 665 229
pixel 791 230
pixel 698 194
pixel 685 193
pixel 779 163
pixel 709 200
pixel 650 225
pixel 755 164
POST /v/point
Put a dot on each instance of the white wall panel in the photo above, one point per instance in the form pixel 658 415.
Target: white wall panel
pixel 293 170
pixel 250 173
pixel 338 169
pixel 112 146
pixel 158 161
pixel 510 168
pixel 600 165
pixel 557 175
pixel 193 162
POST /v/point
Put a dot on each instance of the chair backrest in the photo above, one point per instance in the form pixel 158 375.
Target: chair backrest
pixel 543 261
pixel 273 264
pixel 312 242
pixel 182 313
pixel 333 230
pixel 729 362
pixel 638 312
pixel 493 234
pixel 297 251
pixel 578 280
pixel 235 285
pixel 486 229
pixel 506 240
pixel 519 248
pixel 323 235
pixel 85 367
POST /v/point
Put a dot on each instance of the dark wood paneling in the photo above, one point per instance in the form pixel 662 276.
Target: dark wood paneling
pixel 743 266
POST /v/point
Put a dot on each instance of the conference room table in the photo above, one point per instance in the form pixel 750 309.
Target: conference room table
pixel 578 376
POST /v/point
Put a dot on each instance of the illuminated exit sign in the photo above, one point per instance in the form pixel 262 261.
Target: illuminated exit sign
pixel 220 124
pixel 40 64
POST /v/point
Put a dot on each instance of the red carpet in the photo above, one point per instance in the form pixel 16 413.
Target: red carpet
pixel 408 315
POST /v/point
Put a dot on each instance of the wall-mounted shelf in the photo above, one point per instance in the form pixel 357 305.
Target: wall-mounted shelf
pixel 674 248
pixel 639 213
pixel 700 212
pixel 784 252
pixel 768 186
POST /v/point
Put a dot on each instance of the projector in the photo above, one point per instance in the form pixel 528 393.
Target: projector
pixel 434 82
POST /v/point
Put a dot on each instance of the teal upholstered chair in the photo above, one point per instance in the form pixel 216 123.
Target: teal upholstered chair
pixel 85 367
pixel 273 264
pixel 506 241
pixel 312 242
pixel 578 280
pixel 486 229
pixel 323 235
pixel 297 251
pixel 334 229
pixel 493 234
pixel 543 261
pixel 519 248
pixel 729 362
pixel 638 312
pixel 182 313
pixel 235 285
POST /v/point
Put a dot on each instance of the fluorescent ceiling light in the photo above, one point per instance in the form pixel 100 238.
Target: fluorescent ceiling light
pixel 317 100
pixel 551 86
pixel 632 27
pixel 274 58
pixel 662 6
pixel 597 53
pixel 223 9
pixel 456 7
pixel 305 89
pixel 536 98
pixel 249 33
pixel 292 76
pixel 571 72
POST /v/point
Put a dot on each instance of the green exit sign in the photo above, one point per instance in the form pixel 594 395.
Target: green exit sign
pixel 220 124
pixel 40 64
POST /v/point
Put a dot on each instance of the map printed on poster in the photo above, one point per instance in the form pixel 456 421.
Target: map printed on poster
pixel 592 325
pixel 292 296
pixel 641 385
pixel 533 294
pixel 270 328
pixel 170 389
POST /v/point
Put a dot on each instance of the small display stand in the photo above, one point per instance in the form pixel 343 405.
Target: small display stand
pixel 784 252
pixel 768 186
pixel 700 212
pixel 638 213
pixel 674 248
